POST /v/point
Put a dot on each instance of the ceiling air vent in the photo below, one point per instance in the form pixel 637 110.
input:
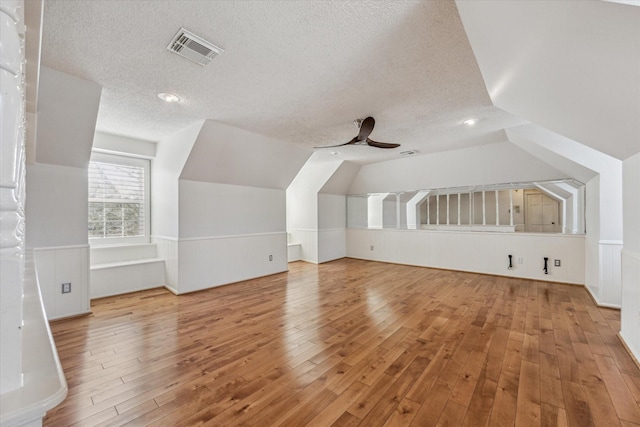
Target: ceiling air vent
pixel 194 48
pixel 408 152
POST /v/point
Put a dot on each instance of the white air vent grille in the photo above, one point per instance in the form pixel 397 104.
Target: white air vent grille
pixel 193 48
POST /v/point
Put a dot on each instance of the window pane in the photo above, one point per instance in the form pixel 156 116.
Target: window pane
pixel 96 229
pixel 116 197
pixel 113 211
pixel 131 228
pixel 114 228
pixel 130 211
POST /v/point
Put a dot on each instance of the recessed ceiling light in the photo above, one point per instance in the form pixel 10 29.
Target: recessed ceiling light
pixel 168 97
pixel 470 122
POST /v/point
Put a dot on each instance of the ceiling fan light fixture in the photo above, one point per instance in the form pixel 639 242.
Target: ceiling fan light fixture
pixel 366 127
pixel 168 97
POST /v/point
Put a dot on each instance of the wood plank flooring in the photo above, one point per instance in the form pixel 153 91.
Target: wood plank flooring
pixel 350 343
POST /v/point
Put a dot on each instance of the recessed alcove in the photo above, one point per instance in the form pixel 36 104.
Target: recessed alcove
pixel 537 207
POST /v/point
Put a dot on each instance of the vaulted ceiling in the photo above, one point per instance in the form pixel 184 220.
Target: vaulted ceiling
pixel 302 71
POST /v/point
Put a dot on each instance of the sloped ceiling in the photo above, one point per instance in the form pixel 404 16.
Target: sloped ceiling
pixel 570 66
pixel 302 71
pixel 341 179
pixel 228 155
pixel 491 164
pixel 561 153
pixel 67 111
pixel 296 71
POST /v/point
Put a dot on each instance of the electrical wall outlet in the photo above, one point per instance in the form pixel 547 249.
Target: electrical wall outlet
pixel 520 260
pixel 556 262
pixel 371 247
pixel 66 288
pixel 270 257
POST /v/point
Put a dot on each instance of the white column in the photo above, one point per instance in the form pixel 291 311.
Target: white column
pixel 428 209
pixel 484 209
pixel 12 187
pixel 458 208
pixel 397 210
pixel 471 208
pixel 447 208
pixel 414 207
pixel 511 208
pixel 438 209
pixel 497 209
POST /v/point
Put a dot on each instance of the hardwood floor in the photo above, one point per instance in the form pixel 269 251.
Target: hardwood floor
pixel 350 343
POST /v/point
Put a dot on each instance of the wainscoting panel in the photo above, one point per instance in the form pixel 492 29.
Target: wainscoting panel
pixel 168 251
pixel 630 313
pixel 213 261
pixel 475 252
pixel 610 274
pixel 332 244
pixel 57 265
pixel 308 240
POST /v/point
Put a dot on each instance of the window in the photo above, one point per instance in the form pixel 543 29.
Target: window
pixel 118 199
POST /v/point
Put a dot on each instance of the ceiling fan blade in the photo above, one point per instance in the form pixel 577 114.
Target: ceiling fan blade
pixel 381 144
pixel 366 127
pixel 353 141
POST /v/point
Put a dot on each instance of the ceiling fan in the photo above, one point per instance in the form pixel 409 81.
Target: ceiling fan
pixel 366 127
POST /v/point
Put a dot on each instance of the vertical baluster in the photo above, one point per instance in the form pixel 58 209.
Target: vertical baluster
pixel 497 209
pixel 484 209
pixel 428 219
pixel 397 210
pixel 448 208
pixel 511 208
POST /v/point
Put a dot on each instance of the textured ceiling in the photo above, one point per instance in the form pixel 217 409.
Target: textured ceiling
pixel 300 71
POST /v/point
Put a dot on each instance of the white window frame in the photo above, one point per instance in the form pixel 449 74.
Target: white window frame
pixel 128 161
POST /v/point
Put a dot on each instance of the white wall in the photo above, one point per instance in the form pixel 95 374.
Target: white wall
pixel 57 208
pixel 537 59
pixel 332 223
pixel 603 175
pixel 228 233
pixel 474 251
pixel 67 113
pixel 390 211
pixel 630 314
pixel 592 238
pixel 168 251
pixel 302 194
pixel 207 262
pixel 229 155
pixel 118 144
pixel 332 211
pixel 317 221
pixel 218 205
pixel 212 209
pixel 12 196
pixel 488 164
pixel 63 264
pixel 171 155
pixel 57 215
pixel 357 211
